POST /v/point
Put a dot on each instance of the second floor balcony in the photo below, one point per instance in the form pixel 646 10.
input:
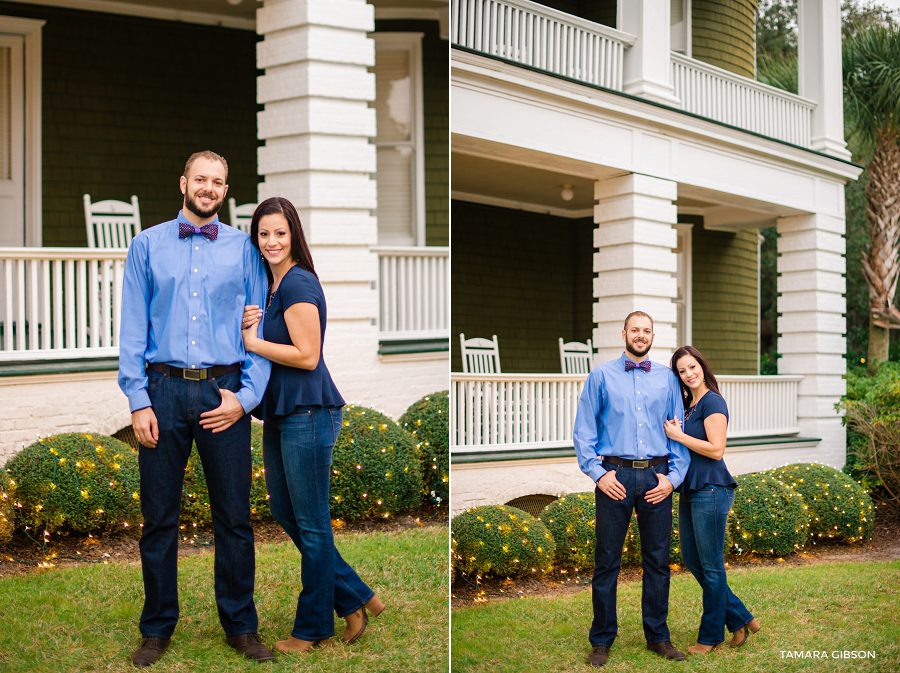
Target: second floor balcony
pixel 544 39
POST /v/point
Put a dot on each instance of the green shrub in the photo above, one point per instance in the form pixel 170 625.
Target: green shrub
pixel 839 508
pixel 570 520
pixel 7 500
pixel 768 517
pixel 872 406
pixel 427 421
pixel 195 507
pixel 375 470
pixel 500 540
pixel 76 482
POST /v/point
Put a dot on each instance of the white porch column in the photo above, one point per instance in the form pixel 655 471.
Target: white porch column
pixel 819 70
pixel 647 67
pixel 812 324
pixel 635 262
pixel 316 126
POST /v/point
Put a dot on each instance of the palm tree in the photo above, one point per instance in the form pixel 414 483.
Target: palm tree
pixel 871 61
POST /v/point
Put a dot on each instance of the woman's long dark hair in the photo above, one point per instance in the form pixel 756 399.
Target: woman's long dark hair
pixel 708 377
pixel 299 249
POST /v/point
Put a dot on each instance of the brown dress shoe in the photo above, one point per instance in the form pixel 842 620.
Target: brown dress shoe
pixel 150 651
pixel 598 656
pixel 667 650
pixel 742 634
pixel 250 646
pixel 699 648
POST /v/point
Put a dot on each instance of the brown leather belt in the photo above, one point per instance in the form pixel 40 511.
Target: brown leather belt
pixel 640 464
pixel 193 374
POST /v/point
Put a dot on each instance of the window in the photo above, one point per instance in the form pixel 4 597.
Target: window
pixel 399 139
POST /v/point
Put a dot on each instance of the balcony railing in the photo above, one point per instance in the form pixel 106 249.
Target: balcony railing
pixel 556 42
pixel 60 302
pixel 531 411
pixel 532 34
pixel 721 95
pixel 414 292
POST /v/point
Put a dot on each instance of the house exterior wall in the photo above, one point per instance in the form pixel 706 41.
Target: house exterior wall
pixel 523 276
pixel 126 100
pixel 436 104
pixel 724 34
pixel 725 299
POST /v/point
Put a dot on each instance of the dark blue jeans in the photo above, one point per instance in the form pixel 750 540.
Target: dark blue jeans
pixel 655 527
pixel 178 404
pixel 701 524
pixel 297 454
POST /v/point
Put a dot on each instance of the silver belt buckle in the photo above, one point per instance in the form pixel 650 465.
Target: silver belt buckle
pixel 640 463
pixel 194 374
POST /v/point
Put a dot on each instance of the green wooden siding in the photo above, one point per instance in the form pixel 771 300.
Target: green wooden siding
pixel 523 276
pixel 126 100
pixel 724 34
pixel 436 104
pixel 725 299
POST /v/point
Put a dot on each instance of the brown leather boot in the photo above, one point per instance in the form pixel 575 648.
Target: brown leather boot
pixel 150 651
pixel 374 606
pixel 295 645
pixel 742 634
pixel 356 626
pixel 702 649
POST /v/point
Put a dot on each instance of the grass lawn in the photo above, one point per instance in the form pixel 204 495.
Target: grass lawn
pixel 85 618
pixel 824 607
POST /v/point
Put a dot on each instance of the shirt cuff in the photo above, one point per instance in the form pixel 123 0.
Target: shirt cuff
pixel 247 399
pixel 139 400
pixel 674 479
pixel 596 472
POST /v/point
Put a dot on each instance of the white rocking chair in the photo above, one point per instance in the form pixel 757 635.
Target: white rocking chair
pixel 110 223
pixel 576 357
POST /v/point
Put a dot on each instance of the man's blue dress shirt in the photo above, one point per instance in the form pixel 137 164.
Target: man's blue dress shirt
pixel 182 304
pixel 622 414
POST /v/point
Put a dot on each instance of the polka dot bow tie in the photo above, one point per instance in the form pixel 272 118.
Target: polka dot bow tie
pixel 645 365
pixel 211 230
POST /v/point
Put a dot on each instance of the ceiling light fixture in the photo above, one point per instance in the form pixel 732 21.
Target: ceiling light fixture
pixel 567 193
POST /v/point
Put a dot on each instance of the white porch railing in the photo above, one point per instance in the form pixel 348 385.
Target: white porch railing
pixel 761 405
pixel 60 302
pixel 526 411
pixel 535 35
pixel 511 411
pixel 715 93
pixel 414 292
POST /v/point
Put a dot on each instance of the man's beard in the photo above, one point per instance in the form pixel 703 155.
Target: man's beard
pixel 195 207
pixel 634 350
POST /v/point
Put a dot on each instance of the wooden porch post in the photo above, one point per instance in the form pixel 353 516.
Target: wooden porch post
pixel 316 126
pixel 647 64
pixel 635 262
pixel 811 305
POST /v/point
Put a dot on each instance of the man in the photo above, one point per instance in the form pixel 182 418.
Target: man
pixel 183 367
pixel 621 444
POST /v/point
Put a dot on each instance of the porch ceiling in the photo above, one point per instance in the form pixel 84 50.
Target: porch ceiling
pixel 237 9
pixel 523 186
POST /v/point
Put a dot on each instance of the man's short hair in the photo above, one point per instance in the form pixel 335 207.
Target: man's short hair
pixel 633 314
pixel 210 156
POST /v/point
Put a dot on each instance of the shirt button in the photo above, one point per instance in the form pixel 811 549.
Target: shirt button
pixel 641 441
pixel 639 408
pixel 193 366
pixel 196 247
pixel 193 317
pixel 195 270
pixel 193 343
pixel 640 425
pixel 195 294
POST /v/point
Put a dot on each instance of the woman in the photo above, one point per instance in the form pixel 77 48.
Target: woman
pixel 707 494
pixel 302 413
